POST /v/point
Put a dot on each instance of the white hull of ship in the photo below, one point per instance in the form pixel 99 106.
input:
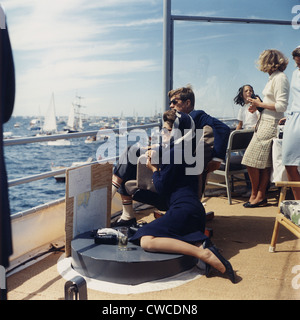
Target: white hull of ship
pixel 40 229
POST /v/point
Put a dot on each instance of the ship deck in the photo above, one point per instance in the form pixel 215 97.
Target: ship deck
pixel 243 235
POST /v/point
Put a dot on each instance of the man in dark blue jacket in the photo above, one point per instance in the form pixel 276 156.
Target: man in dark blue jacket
pixel 183 100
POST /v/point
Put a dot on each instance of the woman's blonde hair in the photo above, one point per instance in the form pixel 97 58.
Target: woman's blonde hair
pixel 272 60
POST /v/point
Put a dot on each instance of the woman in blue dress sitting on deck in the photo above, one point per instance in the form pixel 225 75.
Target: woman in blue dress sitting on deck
pixel 181 229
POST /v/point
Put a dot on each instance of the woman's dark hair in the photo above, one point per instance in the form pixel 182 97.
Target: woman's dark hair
pixel 296 52
pixel 169 116
pixel 239 99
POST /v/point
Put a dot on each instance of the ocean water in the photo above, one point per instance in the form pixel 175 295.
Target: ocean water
pixel 35 158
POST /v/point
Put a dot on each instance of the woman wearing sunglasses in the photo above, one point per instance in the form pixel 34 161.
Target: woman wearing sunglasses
pixel 181 229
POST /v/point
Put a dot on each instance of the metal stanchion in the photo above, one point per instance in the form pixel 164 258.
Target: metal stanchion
pixel 76 289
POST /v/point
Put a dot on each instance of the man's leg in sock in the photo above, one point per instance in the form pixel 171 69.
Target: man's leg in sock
pixel 116 184
pixel 127 217
pixel 123 172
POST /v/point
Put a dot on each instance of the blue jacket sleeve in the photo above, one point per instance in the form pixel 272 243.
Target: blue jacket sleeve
pixel 221 131
pixel 164 179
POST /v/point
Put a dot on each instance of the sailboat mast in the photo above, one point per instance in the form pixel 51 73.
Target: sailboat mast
pixel 50 118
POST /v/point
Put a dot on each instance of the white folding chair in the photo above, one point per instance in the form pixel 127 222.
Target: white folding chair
pixel 237 143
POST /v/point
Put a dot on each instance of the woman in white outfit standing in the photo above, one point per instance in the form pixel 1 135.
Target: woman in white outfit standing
pixel 258 156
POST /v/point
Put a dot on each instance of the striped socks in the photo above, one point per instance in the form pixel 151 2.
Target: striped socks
pixel 128 212
pixel 115 187
pixel 127 207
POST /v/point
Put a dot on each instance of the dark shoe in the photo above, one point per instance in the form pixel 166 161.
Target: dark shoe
pixel 262 203
pixel 229 271
pixel 206 244
pixel 123 223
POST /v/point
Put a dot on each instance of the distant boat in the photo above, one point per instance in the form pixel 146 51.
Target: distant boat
pixel 7 135
pixel 99 138
pixel 74 123
pixel 62 177
pixel 90 139
pixel 59 143
pixel 35 124
pixel 61 121
pixel 50 126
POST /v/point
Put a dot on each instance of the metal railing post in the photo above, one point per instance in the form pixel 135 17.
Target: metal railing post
pixel 75 289
pixel 168 48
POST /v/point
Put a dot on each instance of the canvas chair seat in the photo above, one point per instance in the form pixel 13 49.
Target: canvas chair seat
pixel 288 213
pixel 291 210
pixel 235 164
pixel 232 168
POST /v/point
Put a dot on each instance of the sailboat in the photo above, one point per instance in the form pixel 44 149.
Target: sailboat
pixel 50 126
pixel 74 123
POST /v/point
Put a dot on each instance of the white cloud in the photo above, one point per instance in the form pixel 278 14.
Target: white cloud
pixel 139 23
pixel 49 26
pixel 68 45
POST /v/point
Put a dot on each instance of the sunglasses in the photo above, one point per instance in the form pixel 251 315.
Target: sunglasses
pixel 174 101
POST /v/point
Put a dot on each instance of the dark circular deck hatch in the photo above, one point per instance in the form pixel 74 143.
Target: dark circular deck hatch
pixel 131 267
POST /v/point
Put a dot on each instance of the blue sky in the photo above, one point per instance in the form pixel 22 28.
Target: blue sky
pixel 110 53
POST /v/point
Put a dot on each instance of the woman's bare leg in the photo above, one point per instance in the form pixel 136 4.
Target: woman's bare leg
pixel 264 180
pixel 259 180
pixel 293 175
pixel 254 178
pixel 170 245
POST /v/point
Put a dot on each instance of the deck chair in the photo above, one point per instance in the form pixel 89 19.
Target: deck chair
pixel 142 189
pixel 288 214
pixel 237 143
